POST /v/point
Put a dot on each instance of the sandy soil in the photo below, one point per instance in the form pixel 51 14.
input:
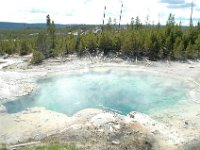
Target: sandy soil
pixel 174 128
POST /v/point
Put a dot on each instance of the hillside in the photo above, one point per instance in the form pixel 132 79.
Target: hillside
pixel 16 26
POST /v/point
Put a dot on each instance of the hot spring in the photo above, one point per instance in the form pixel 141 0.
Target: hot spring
pixel 117 90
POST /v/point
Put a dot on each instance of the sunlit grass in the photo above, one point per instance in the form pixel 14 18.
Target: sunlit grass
pixel 3 147
pixel 47 146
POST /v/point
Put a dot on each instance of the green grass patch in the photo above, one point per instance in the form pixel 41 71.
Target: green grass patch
pixel 46 146
pixel 53 146
pixel 3 147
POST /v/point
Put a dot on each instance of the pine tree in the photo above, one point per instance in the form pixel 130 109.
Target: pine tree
pixel 178 49
pixel 1 48
pixel 25 47
pixel 43 44
pixel 37 57
pixel 51 30
pixel 190 52
pixel 154 46
pixel 70 44
pixel 106 42
pixel 197 45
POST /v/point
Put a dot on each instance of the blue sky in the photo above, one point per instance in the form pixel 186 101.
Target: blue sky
pixel 91 11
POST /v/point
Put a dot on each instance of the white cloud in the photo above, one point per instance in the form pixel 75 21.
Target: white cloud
pixel 91 11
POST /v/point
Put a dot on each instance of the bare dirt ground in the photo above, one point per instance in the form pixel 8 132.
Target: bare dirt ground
pixel 174 128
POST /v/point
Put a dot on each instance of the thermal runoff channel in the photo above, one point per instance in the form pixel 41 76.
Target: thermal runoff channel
pixel 117 90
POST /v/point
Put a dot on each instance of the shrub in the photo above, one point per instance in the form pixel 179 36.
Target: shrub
pixel 25 48
pixel 37 57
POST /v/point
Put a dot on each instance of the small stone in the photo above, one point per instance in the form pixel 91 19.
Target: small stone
pixel 186 123
pixel 116 142
pixel 155 132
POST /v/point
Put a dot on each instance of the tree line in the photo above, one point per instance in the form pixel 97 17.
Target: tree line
pixel 135 40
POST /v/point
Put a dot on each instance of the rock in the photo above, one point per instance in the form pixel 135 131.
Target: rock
pixel 155 132
pixel 2 109
pixel 186 123
pixel 116 142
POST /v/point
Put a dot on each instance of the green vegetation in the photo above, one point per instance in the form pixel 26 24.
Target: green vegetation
pixel 48 146
pixel 37 57
pixel 3 147
pixel 53 146
pixel 135 40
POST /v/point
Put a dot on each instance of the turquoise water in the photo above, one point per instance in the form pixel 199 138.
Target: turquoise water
pixel 116 90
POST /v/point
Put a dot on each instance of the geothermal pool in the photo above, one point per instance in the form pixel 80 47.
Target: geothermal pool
pixel 117 90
